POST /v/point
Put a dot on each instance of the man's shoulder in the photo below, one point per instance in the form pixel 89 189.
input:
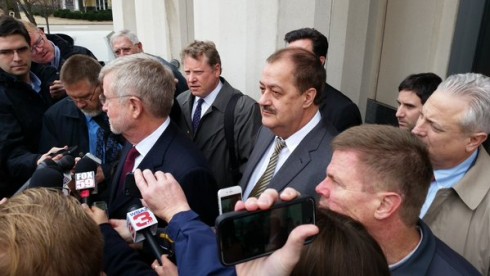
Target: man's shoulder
pixel 448 262
pixel 63 107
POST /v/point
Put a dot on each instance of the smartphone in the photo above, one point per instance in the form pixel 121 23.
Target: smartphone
pixel 243 236
pixel 68 151
pixel 228 197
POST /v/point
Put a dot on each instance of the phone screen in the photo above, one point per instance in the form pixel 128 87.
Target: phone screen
pixel 228 202
pixel 244 236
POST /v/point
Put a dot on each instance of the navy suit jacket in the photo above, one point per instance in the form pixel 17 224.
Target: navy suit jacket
pixel 306 165
pixel 172 153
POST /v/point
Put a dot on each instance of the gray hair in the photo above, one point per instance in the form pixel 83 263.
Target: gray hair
pixel 475 88
pixel 124 33
pixel 145 77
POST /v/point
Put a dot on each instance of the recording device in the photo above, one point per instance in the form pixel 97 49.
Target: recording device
pixel 228 197
pixel 85 176
pixel 68 151
pixel 142 225
pixel 243 236
pixel 50 174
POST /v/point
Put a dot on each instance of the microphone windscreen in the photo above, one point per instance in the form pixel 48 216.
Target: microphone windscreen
pixel 86 165
pixel 46 177
pixel 66 162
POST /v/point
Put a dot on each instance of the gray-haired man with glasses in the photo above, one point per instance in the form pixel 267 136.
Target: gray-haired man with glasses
pixel 24 97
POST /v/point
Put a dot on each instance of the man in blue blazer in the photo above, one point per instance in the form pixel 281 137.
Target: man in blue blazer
pixel 290 85
pixel 138 95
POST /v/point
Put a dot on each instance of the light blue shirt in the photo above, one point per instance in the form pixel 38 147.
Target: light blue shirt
pixel 445 179
pixel 92 128
pixel 57 57
pixel 35 82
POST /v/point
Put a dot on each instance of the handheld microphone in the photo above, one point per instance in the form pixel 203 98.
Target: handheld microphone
pixel 142 224
pixel 85 176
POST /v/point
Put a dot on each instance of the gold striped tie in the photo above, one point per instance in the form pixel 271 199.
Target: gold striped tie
pixel 269 171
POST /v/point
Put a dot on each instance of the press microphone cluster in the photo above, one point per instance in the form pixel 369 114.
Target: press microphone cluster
pixel 52 174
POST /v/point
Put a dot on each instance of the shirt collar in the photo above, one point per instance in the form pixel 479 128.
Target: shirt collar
pixel 57 56
pixel 209 99
pixel 447 178
pixel 293 141
pixel 35 82
pixel 146 144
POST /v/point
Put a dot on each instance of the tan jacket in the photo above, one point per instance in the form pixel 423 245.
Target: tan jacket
pixel 460 216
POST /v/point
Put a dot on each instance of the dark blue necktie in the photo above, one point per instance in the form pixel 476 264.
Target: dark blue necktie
pixel 197 115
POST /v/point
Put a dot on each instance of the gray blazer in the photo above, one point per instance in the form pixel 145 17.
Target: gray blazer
pixel 306 165
pixel 210 136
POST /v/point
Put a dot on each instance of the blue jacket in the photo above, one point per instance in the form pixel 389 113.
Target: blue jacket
pixel 196 248
pixel 433 257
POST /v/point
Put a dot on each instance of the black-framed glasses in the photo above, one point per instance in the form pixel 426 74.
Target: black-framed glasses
pixel 38 44
pixel 103 99
pixel 85 99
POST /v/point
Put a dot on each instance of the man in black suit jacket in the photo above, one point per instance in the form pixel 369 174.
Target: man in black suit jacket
pixel 290 83
pixel 335 107
pixel 138 94
pixel 78 120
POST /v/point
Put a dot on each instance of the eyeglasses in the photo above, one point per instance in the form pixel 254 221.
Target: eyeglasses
pixel 38 44
pixel 10 52
pixel 103 99
pixel 85 99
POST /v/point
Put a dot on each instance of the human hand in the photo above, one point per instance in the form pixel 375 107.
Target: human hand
pixel 167 267
pixel 51 154
pixel 283 260
pixel 57 90
pixel 121 228
pixel 268 198
pixel 161 193
pixel 98 215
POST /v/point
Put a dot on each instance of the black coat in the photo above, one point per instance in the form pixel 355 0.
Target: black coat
pixel 21 112
pixel 338 109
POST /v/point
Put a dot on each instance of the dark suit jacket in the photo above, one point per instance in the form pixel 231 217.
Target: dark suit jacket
pixel 173 153
pixel 338 109
pixel 306 165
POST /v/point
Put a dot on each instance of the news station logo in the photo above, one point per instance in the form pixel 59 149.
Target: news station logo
pixel 140 219
pixel 85 180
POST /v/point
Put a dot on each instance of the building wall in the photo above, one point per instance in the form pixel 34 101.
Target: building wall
pixel 374 44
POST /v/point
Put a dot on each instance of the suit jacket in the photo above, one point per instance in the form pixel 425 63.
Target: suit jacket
pixel 210 136
pixel 176 154
pixel 460 216
pixel 306 165
pixel 338 109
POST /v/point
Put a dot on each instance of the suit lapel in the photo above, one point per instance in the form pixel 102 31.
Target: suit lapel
pixel 264 139
pixel 298 159
pixel 117 174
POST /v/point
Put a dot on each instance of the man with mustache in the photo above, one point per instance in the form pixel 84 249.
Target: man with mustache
pixel 24 97
pixel 293 146
pixel 78 120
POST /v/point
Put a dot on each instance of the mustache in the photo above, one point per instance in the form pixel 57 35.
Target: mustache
pixel 267 108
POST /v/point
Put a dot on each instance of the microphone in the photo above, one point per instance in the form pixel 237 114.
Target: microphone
pixel 85 176
pixel 142 224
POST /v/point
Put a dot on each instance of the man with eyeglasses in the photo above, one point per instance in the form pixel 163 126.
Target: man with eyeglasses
pixel 53 50
pixel 125 43
pixel 24 97
pixel 79 120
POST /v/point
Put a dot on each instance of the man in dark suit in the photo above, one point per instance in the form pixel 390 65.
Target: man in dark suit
pixel 335 107
pixel 137 97
pixel 78 120
pixel 293 146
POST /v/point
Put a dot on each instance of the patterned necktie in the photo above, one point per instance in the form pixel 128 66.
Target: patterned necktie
pixel 128 167
pixel 107 146
pixel 197 115
pixel 99 148
pixel 269 171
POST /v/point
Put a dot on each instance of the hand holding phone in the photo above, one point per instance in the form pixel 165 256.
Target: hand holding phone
pixel 243 236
